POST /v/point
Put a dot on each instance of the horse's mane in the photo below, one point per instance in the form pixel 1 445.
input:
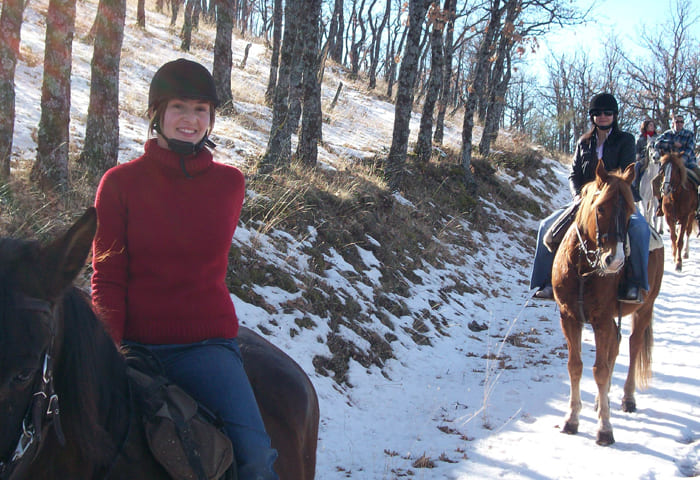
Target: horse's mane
pixel 677 160
pixel 88 378
pixel 598 192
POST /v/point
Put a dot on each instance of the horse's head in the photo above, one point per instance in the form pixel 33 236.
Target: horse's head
pixel 606 206
pixel 33 278
pixel 675 174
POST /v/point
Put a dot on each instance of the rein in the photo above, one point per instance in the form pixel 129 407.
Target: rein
pixel 594 259
pixel 43 410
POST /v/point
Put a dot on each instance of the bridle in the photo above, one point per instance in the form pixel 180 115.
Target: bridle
pixel 616 228
pixel 43 410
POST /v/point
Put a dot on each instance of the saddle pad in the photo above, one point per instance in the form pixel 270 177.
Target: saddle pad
pixel 655 240
pixel 693 178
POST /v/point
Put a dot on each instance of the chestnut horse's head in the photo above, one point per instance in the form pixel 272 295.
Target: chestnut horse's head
pixel 675 174
pixel 606 206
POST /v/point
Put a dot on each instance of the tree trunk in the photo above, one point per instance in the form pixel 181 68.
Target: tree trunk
pixel 101 150
pixel 10 29
pixel 376 46
pixel 477 85
pixel 296 73
pixel 500 78
pixel 141 13
pixel 186 34
pixel 175 6
pixel 336 32
pixel 307 148
pixel 404 95
pixel 221 70
pixel 392 66
pixel 279 145
pixel 276 43
pixel 424 145
pixel 450 6
pixel 356 46
pixel 50 170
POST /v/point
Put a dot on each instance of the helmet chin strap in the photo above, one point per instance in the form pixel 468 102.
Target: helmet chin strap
pixel 603 127
pixel 185 149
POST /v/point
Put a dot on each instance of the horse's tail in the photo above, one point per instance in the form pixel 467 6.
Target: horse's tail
pixel 643 368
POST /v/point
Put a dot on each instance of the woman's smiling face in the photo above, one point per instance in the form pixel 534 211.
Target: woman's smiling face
pixel 186 120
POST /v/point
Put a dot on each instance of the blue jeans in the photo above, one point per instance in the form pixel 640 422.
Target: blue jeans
pixel 637 267
pixel 212 372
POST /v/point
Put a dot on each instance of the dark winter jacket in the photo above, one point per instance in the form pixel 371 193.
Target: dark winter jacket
pixel 618 153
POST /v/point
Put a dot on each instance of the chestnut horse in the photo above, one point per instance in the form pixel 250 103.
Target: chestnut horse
pixel 586 275
pixel 680 201
pixel 53 348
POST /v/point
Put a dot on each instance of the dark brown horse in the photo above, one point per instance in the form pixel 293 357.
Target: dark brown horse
pixel 680 201
pixel 586 275
pixel 55 352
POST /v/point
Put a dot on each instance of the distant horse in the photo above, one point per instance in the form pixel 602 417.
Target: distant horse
pixel 680 201
pixel 53 348
pixel 586 275
pixel 649 201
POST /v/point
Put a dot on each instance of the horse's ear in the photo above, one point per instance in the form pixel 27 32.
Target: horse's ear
pixel 628 174
pixel 600 172
pixel 65 256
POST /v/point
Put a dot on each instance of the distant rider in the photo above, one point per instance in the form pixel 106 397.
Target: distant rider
pixel 680 140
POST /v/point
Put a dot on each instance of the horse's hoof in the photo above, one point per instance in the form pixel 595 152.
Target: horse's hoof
pixel 629 406
pixel 605 438
pixel 570 428
pixel 679 267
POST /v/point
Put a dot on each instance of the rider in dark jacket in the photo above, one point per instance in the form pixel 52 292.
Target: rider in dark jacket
pixel 617 154
pixel 604 140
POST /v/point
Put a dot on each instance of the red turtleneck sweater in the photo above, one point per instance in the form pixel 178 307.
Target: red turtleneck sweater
pixel 161 248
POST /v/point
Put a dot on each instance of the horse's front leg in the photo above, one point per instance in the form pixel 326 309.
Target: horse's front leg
pixel 606 349
pixel 674 236
pixel 679 248
pixel 572 331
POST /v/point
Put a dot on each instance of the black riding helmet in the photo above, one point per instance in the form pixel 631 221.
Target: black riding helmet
pixel 603 101
pixel 182 78
pixel 600 102
pixel 186 79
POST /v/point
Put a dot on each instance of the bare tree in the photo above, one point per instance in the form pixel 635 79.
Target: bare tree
pixel 336 32
pixel 276 44
pixel 101 150
pixel 279 145
pixel 376 43
pixel 10 28
pixel 448 49
pixel 404 96
pixel 310 134
pixel 51 167
pixel 478 86
pixel 424 147
pixel 221 70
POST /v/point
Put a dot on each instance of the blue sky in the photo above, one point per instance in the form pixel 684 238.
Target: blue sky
pixel 625 20
pixel 628 19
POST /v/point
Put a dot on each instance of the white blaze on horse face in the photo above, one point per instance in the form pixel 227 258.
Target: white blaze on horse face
pixel 668 171
pixel 613 261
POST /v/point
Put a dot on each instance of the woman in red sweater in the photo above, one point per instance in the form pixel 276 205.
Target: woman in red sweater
pixel 166 220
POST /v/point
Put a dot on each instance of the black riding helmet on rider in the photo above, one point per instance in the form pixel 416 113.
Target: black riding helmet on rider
pixel 603 102
pixel 184 79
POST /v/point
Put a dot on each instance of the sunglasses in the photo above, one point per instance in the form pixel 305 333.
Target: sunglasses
pixel 680 121
pixel 598 113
